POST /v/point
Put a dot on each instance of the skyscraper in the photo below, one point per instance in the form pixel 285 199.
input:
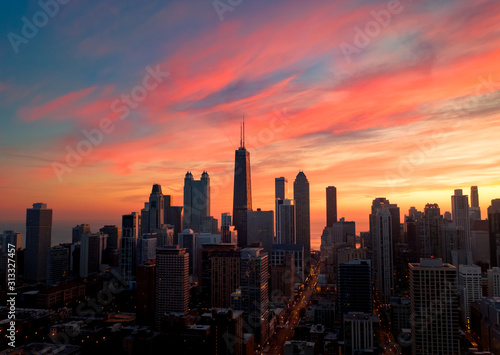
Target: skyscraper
pixel 146 294
pixel 131 227
pixel 494 230
pixel 196 201
pixel 302 213
pixel 287 223
pixel 255 291
pixel 470 289
pixel 78 231
pixel 382 235
pixel 260 228
pixel 91 252
pixel 355 287
pixel 280 188
pixel 225 219
pixel 434 308
pixel 112 254
pixel 188 240
pixel 474 210
pixel 220 273
pixel 156 209
pixel 331 205
pixel 460 214
pixel 172 282
pixel 57 265
pixel 174 215
pixel 431 233
pixel 242 195
pixel 280 193
pixel 38 236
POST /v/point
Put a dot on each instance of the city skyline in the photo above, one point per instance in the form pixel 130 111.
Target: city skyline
pixel 62 231
pixel 402 112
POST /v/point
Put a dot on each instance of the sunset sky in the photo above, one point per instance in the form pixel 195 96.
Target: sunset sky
pixel 378 98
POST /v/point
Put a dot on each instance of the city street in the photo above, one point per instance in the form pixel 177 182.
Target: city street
pixel 286 332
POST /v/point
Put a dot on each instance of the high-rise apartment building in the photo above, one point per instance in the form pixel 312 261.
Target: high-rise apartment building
pixel 156 209
pixel 460 215
pixel 494 231
pixel 434 308
pixel 255 291
pixel 78 231
pixel 91 253
pixel 474 210
pixel 260 228
pixel 146 294
pixel 382 235
pixel 188 240
pixel 131 227
pixel 57 265
pixel 354 287
pixel 469 288
pixel 38 241
pixel 493 276
pixel 302 213
pixel 331 205
pixel 280 194
pixel 287 223
pixel 172 282
pixel 220 273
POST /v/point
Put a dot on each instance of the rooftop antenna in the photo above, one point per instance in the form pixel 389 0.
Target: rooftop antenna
pixel 242 133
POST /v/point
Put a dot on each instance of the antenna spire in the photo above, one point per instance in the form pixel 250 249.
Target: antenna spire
pixel 242 133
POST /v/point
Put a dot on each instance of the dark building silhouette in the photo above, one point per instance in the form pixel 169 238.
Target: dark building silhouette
pixel 131 227
pixel 171 282
pixel 302 213
pixel 331 205
pixel 78 231
pixel 156 209
pixel 226 329
pixel 255 291
pixel 146 293
pixel 196 201
pixel 242 196
pixel 112 253
pixel 474 209
pixel 385 234
pixel 220 273
pixel 174 215
pixel 280 194
pixel 494 230
pixel 355 287
pixel 57 265
pixel 260 228
pixel 38 236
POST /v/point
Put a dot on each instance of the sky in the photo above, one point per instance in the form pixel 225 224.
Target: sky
pixel 100 100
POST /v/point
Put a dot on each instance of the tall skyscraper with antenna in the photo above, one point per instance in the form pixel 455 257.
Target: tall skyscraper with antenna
pixel 242 197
